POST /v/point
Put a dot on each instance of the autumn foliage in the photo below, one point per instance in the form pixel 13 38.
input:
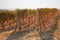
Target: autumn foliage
pixel 27 18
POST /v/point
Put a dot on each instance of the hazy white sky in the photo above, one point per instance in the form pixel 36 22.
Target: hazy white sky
pixel 33 4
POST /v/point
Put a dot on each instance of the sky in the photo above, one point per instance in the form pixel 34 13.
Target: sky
pixel 29 4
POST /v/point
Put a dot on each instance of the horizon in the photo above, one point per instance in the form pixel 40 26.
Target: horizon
pixel 28 9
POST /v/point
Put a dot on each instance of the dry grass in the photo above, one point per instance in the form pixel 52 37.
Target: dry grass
pixel 4 35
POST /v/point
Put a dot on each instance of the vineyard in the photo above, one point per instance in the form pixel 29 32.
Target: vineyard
pixel 23 22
